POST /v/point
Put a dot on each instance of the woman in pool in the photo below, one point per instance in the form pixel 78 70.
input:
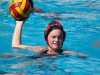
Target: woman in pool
pixel 54 36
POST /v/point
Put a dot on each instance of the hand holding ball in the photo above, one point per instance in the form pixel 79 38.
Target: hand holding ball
pixel 20 9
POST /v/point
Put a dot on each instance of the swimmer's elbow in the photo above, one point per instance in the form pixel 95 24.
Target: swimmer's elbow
pixel 15 45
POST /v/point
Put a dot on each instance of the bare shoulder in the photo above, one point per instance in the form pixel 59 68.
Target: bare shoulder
pixel 39 49
pixel 68 52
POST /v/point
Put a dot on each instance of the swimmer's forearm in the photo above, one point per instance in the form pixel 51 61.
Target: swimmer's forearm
pixel 16 40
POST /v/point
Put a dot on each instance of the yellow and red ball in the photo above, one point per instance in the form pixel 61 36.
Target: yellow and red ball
pixel 20 9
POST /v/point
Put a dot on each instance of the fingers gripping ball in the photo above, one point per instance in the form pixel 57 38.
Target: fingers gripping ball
pixel 20 9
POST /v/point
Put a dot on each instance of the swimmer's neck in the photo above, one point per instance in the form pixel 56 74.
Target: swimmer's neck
pixel 53 51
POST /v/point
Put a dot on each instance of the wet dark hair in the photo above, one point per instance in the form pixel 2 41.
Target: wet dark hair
pixel 31 2
pixel 52 26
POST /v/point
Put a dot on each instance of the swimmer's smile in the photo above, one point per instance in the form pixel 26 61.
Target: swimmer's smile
pixel 56 44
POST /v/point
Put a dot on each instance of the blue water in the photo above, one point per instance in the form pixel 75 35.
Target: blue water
pixel 81 21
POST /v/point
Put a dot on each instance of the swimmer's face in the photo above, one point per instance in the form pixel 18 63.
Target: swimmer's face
pixel 55 39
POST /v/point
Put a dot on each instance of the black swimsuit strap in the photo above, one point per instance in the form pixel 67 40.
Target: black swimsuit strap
pixel 45 52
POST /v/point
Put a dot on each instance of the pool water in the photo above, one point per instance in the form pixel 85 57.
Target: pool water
pixel 81 21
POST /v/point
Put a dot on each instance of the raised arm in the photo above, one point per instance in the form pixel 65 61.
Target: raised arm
pixel 16 40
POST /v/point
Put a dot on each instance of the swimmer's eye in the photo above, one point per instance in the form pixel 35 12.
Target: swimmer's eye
pixel 60 37
pixel 53 37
